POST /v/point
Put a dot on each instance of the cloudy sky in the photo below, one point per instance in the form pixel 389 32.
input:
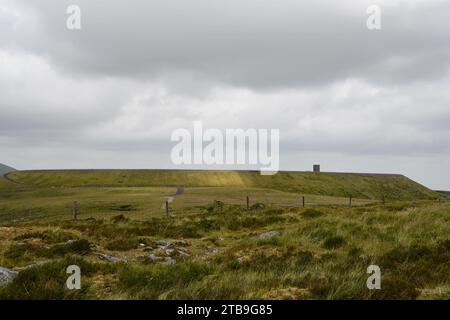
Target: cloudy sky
pixel 110 95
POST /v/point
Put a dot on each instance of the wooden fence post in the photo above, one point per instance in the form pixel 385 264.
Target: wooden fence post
pixel 248 204
pixel 74 210
pixel 303 201
pixel 350 201
pixel 167 209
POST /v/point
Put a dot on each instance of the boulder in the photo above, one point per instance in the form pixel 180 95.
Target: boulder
pixel 268 235
pixel 169 260
pixel 171 243
pixel 109 258
pixel 6 275
pixel 154 257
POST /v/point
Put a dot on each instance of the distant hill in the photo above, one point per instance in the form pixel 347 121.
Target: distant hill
pixel 444 193
pixel 367 186
pixel 4 169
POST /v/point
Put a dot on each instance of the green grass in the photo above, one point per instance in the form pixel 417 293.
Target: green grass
pixel 6 185
pixel 318 253
pixel 47 204
pixel 368 186
pixel 321 251
pixel 444 193
pixel 47 281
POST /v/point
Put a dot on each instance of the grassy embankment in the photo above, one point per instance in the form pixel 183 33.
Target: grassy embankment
pixel 365 186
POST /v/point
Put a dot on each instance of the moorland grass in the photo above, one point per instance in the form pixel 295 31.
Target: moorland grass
pixel 314 253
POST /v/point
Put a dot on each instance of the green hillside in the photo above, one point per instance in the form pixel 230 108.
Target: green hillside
pixel 5 184
pixel 369 186
pixel 445 194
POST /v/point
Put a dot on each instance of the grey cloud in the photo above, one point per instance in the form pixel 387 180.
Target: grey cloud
pixel 260 45
pixel 111 94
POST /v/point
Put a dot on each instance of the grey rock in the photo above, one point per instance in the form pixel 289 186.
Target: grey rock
pixel 154 257
pixel 169 260
pixel 6 275
pixel 268 235
pixel 211 251
pixel 171 243
pixel 109 258
pixel 183 252
pixel 168 252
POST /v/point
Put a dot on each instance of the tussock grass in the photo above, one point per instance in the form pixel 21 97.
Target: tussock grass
pixel 27 251
pixel 311 213
pixel 161 281
pixel 316 252
pixel 47 236
pixel 48 281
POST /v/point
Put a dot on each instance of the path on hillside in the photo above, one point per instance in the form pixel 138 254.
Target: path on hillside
pixel 7 178
pixel 171 198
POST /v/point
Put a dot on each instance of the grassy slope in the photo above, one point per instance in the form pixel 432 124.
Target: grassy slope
pixel 49 204
pixel 318 254
pixel 6 185
pixel 369 186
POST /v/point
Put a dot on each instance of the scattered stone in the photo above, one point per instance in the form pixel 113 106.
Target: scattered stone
pixel 169 251
pixel 154 257
pixel 6 275
pixel 268 235
pixel 211 251
pixel 258 206
pixel 171 243
pixel 169 260
pixel 109 258
pixel 183 253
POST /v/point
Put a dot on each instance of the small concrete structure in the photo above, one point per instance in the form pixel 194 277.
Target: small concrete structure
pixel 316 168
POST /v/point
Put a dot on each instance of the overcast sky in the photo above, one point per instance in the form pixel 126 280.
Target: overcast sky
pixel 110 95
